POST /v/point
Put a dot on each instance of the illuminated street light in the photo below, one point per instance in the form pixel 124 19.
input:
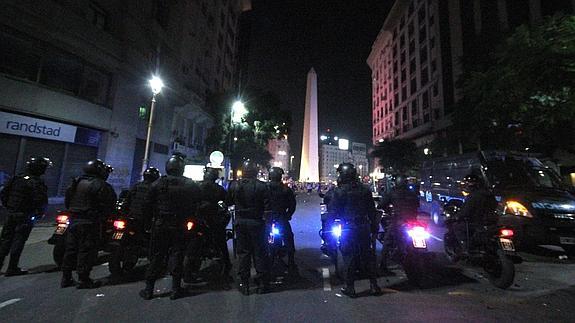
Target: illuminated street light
pixel 156 84
pixel 323 137
pixel 238 112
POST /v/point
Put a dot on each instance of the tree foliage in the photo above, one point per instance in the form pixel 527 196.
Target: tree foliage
pixel 525 95
pixel 397 156
pixel 265 120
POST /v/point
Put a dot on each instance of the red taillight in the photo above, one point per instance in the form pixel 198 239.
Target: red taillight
pixel 62 219
pixel 506 233
pixel 119 224
pixel 190 225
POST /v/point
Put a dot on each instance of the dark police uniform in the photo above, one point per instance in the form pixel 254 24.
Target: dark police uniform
pixel 251 199
pixel 217 218
pixel 353 204
pixel 283 205
pixel 25 197
pixel 136 205
pixel 89 200
pixel 402 203
pixel 173 201
pixel 479 210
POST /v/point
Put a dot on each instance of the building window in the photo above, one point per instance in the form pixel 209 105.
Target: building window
pixel 402 58
pixel 395 84
pixel 436 114
pixel 425 102
pixel 433 66
pixel 435 90
pixel 431 20
pixel 18 57
pixel 432 42
pixel 411 47
pixel 97 16
pixel 403 75
pixel 412 66
pixel 396 98
pixel 414 111
pixel 396 120
pixel 62 72
pixel 402 41
pixel 413 85
pixel 403 94
pixel 422 55
pixel 424 77
pixel 411 29
pixel 402 22
pixel 421 15
pixel 422 34
pixel 411 8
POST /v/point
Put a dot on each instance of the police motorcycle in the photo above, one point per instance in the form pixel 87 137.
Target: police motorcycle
pixel 200 232
pixel 330 234
pixel 407 246
pixel 490 247
pixel 58 238
pixel 129 240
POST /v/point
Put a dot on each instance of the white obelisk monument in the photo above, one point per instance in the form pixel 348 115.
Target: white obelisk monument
pixel 309 167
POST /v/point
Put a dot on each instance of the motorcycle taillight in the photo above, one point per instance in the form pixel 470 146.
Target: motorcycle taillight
pixel 62 219
pixel 119 224
pixel 506 233
pixel 190 225
pixel 418 232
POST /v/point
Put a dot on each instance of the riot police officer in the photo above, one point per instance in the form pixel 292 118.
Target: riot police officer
pixel 172 201
pixel 283 205
pixel 352 203
pixel 216 215
pixel 89 199
pixel 401 203
pixel 478 209
pixel 251 199
pixel 25 197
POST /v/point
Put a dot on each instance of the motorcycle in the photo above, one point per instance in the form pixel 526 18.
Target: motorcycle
pixel 331 240
pixel 407 246
pixel 58 238
pixel 490 247
pixel 129 240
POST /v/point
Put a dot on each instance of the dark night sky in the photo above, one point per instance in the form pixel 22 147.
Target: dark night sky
pixel 333 36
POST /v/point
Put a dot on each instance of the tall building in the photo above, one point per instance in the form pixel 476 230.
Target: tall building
pixel 280 151
pixel 417 58
pixel 74 81
pixel 335 150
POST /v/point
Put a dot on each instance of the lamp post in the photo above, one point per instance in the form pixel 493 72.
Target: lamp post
pixel 156 84
pixel 237 114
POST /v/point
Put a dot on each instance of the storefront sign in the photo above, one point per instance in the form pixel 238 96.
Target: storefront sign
pixel 32 127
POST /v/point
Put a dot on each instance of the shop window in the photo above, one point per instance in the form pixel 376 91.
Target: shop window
pixel 95 86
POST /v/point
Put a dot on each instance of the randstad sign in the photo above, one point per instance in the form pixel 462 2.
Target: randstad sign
pixel 32 127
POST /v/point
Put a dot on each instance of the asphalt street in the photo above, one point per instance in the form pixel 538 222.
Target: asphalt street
pixel 544 291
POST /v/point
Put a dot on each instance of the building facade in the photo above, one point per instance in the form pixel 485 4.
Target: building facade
pixel 417 58
pixel 334 151
pixel 74 81
pixel 279 149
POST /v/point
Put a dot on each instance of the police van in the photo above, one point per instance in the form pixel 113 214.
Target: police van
pixel 532 198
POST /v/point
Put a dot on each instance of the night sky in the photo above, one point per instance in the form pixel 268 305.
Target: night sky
pixel 334 37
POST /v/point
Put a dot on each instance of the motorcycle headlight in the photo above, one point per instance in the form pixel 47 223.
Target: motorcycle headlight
pixel 516 208
pixel 275 230
pixel 336 230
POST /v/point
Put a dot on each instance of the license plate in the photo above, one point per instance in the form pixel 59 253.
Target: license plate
pixel 61 228
pixel 506 244
pixel 567 240
pixel 419 243
pixel 118 235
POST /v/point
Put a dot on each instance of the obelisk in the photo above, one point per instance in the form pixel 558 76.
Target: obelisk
pixel 309 167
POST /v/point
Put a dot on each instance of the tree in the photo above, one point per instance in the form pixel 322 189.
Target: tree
pixel 525 96
pixel 397 156
pixel 248 140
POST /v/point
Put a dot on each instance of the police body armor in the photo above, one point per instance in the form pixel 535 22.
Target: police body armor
pixel 138 196
pixel 355 212
pixel 173 202
pixel 24 194
pixel 82 202
pixel 279 199
pixel 248 207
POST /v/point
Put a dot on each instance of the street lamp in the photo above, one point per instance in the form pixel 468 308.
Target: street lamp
pixel 156 84
pixel 237 114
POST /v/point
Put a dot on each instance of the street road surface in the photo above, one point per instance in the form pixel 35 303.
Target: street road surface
pixel 544 291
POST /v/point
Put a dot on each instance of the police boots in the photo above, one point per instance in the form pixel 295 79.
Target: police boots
pixel 148 292
pixel 244 287
pixel 349 291
pixel 67 280
pixel 13 269
pixel 374 288
pixel 86 282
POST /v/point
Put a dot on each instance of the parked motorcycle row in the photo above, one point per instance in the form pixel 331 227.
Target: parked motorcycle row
pixel 491 248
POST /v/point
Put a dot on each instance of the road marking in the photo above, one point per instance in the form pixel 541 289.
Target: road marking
pixel 9 302
pixel 436 238
pixel 326 283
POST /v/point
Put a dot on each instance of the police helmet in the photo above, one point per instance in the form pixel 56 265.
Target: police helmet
pixel 95 167
pixel 249 169
pixel 175 165
pixel 472 182
pixel 37 165
pixel 276 174
pixel 109 169
pixel 346 173
pixel 211 174
pixel 151 174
